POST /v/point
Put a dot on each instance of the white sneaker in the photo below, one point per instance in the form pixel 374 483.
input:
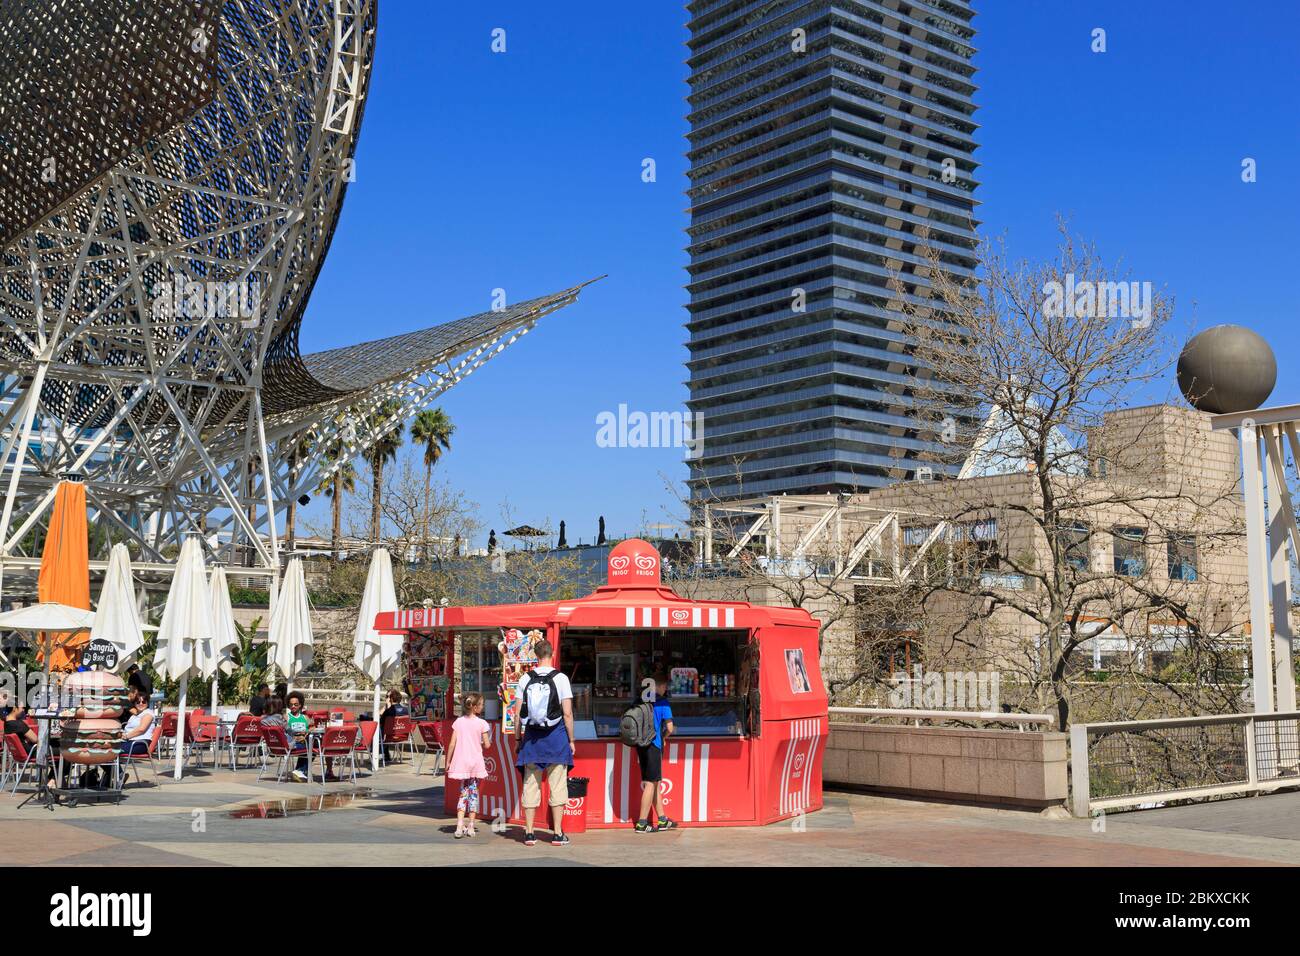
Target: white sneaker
pixel 299 776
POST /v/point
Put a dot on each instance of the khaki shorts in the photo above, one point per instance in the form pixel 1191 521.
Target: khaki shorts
pixel 557 777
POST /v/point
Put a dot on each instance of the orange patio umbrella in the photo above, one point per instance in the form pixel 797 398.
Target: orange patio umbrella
pixel 65 570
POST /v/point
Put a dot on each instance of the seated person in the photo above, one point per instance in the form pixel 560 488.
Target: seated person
pixel 138 728
pixel 15 724
pixel 257 704
pixel 395 708
pixel 295 724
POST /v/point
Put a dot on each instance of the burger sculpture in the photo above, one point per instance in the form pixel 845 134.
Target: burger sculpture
pixel 93 733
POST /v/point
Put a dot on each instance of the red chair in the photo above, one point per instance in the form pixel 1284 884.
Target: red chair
pixel 17 760
pixel 167 721
pixel 126 762
pixel 431 734
pixel 317 717
pixel 338 743
pixel 246 736
pixel 396 732
pixel 366 731
pixel 280 746
pixel 202 732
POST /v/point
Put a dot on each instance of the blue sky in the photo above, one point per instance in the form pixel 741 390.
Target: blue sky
pixel 522 171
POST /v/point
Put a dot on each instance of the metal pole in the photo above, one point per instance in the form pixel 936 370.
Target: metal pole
pixel 1279 506
pixel 1257 567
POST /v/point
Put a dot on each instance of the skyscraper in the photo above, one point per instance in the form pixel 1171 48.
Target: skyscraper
pixel 829 139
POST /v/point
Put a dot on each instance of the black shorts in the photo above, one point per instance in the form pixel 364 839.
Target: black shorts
pixel 651 759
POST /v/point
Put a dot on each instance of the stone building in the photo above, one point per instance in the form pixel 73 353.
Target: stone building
pixel 1151 540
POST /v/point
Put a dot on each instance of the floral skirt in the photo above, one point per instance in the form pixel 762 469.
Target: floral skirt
pixel 468 802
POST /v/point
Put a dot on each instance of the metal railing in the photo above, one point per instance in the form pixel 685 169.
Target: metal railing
pixel 1023 721
pixel 1146 762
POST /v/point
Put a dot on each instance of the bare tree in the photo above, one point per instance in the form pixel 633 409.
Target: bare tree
pixel 1037 367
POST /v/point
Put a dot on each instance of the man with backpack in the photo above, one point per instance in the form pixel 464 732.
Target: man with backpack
pixel 646 726
pixel 544 742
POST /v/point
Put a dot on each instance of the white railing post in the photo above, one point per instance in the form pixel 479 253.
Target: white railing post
pixel 1079 789
pixel 1252 754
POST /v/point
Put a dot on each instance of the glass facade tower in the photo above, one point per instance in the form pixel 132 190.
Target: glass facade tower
pixel 830 142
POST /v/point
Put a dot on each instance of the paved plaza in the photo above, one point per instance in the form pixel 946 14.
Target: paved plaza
pixel 395 818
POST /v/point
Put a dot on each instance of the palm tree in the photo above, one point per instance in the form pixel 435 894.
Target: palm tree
pixel 432 429
pixel 382 450
pixel 299 450
pixel 344 480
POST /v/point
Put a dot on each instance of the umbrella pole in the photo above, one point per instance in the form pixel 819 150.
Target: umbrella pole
pixel 214 694
pixel 43 741
pixel 180 727
pixel 374 745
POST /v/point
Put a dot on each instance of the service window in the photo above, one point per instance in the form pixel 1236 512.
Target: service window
pixel 703 667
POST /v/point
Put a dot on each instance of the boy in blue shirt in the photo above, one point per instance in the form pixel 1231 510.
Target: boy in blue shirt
pixel 651 759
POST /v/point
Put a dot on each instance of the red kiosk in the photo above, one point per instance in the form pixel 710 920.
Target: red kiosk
pixel 749 706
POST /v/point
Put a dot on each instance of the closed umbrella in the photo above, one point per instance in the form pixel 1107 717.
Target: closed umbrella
pixel 185 634
pixel 117 618
pixel 225 638
pixel 65 571
pixel 375 653
pixel 290 631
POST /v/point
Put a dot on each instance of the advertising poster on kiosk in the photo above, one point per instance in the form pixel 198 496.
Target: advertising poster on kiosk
pixel 517 659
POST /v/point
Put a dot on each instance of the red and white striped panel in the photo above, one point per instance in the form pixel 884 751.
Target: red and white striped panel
pixel 685 787
pixel 797 765
pixel 418 617
pixel 694 617
pixel 499 792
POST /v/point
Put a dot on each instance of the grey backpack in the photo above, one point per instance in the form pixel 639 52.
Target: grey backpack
pixel 637 728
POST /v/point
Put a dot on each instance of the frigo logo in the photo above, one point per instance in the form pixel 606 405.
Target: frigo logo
pixel 75 909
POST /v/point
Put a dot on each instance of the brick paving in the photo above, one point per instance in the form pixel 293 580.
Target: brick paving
pixel 395 818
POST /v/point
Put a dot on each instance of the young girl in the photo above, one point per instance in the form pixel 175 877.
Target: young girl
pixel 469 738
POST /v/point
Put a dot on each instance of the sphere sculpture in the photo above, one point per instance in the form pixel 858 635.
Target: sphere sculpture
pixel 1227 368
pixel 92 737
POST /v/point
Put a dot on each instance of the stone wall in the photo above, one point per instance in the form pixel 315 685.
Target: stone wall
pixel 1020 768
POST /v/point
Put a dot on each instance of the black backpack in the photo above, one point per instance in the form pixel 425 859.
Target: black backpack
pixel 637 728
pixel 554 709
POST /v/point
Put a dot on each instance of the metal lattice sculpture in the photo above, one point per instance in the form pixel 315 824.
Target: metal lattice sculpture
pixel 152 287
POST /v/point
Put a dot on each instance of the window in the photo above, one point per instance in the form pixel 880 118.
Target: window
pixel 1074 540
pixel 975 552
pixel 1130 551
pixel 1182 557
pixel 480 668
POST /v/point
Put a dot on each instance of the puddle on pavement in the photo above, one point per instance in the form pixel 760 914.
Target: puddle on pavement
pixel 298 806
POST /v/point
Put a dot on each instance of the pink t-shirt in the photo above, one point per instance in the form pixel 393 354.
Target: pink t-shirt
pixel 467 760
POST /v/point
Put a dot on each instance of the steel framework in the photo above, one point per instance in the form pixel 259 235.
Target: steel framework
pixel 152 292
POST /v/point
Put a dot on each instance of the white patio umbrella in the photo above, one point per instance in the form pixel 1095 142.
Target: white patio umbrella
pixel 224 636
pixel 375 653
pixel 185 634
pixel 117 618
pixel 290 631
pixel 49 618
